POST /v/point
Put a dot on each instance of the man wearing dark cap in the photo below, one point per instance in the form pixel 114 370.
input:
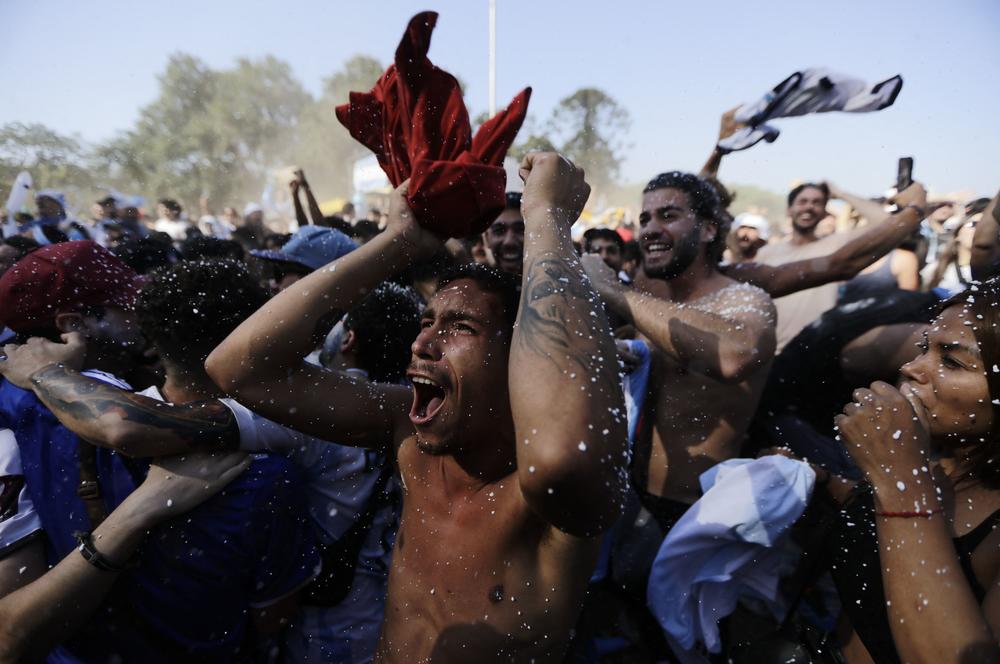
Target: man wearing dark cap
pixel 198 578
pixel 75 287
pixel 310 248
pixel 505 236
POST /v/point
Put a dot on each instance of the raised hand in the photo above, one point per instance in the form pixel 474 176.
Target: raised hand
pixel 403 227
pixel 21 361
pixel 885 431
pixel 914 195
pixel 553 188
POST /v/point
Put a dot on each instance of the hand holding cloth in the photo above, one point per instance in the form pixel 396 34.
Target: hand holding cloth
pixel 416 123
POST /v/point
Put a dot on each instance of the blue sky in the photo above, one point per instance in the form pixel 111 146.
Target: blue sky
pixel 87 68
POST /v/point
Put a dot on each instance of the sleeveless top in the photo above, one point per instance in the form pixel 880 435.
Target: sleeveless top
pixel 871 284
pixel 857 571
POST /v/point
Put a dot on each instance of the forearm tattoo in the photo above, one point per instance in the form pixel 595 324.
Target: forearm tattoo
pixel 79 403
pixel 562 317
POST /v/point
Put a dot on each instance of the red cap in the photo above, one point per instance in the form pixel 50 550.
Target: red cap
pixel 60 278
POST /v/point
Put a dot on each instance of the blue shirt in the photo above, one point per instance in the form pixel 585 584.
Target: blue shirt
pixel 198 575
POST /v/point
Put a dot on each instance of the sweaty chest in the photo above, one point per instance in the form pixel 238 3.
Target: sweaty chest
pixel 467 555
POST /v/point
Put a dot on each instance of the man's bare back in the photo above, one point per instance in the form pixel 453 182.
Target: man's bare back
pixel 696 419
pixel 476 574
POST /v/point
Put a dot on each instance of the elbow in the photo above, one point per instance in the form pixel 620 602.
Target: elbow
pixel 122 439
pixel 741 363
pixel 577 501
pixel 224 372
pixel 736 370
pixel 215 368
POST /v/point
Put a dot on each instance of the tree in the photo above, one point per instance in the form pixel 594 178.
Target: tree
pixel 210 132
pixel 54 160
pixel 323 147
pixel 589 126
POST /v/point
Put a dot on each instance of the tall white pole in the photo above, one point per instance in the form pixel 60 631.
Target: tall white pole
pixel 493 57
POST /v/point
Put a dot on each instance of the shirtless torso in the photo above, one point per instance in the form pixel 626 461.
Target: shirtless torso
pixel 510 444
pixel 695 420
pixel 476 574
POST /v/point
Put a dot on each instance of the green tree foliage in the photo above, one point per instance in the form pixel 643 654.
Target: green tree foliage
pixel 210 132
pixel 589 128
pixel 323 147
pixel 53 160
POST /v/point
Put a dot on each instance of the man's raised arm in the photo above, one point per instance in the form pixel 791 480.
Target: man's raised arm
pixel 986 242
pixel 107 416
pixel 565 394
pixel 261 362
pixel 727 348
pixel 883 234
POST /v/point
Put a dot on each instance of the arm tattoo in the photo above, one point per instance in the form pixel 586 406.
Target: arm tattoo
pixel 79 403
pixel 549 325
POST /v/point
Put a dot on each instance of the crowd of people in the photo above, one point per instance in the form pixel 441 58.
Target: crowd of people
pixel 361 441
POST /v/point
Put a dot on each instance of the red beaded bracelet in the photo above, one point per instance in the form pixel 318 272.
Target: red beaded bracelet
pixel 924 514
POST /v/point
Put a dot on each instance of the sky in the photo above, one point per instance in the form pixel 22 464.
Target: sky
pixel 86 68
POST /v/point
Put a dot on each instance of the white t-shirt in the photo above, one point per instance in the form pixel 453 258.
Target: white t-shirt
pixel 18 519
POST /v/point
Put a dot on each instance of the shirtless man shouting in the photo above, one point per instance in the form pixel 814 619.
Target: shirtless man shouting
pixel 511 444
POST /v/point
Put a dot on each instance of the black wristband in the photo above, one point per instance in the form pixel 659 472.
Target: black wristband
pixel 93 556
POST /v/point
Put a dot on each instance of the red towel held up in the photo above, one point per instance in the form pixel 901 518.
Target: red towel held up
pixel 416 123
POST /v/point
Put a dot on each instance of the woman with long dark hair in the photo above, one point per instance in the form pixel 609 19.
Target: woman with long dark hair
pixel 929 590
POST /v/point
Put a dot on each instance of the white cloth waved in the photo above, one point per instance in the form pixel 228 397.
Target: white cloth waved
pixel 814 90
pixel 729 545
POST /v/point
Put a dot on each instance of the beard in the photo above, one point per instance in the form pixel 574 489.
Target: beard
pixel 444 447
pixel 684 254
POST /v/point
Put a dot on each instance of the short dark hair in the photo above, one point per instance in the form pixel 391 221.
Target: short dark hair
pixel 603 234
pixel 201 246
pixel 23 245
pixel 337 222
pixel 363 230
pixel 171 205
pixel 794 193
pixel 146 254
pixel 703 199
pixel 504 285
pixel 512 200
pixel 632 251
pixel 186 310
pixel 385 324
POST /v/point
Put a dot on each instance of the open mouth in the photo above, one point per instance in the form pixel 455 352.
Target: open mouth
pixel 656 248
pixel 428 399
pixel 511 257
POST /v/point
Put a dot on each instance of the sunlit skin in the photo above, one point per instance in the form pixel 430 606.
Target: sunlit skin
pixel 696 419
pixel 469 566
pixel 806 211
pixel 463 348
pixel 669 233
pixel 947 387
pixel 499 530
pixel 505 239
pixel 949 379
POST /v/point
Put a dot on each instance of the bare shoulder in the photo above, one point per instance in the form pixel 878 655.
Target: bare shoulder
pixel 739 300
